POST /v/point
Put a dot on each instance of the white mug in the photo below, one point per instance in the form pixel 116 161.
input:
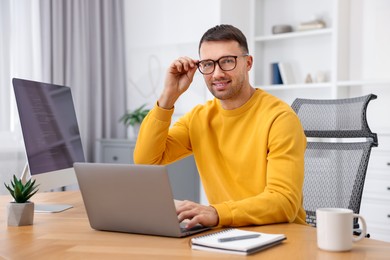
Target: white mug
pixel 335 229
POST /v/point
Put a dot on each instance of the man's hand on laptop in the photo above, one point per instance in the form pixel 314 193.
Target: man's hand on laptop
pixel 196 214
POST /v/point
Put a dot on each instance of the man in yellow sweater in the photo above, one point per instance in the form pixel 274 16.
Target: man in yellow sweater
pixel 248 145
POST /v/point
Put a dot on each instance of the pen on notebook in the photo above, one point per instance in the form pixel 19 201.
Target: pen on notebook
pixel 227 239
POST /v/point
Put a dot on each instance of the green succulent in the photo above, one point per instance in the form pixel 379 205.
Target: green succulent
pixel 134 117
pixel 22 192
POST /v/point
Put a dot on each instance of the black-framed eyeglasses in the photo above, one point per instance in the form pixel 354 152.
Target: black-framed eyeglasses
pixel 226 63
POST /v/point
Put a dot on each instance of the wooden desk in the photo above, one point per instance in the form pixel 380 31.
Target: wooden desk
pixel 67 235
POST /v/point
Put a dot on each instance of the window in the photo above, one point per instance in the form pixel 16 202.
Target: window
pixel 20 55
pixel 4 67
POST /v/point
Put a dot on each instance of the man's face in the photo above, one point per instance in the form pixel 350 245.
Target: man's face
pixel 226 85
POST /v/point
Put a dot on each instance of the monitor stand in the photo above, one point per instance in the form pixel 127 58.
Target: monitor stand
pixel 43 208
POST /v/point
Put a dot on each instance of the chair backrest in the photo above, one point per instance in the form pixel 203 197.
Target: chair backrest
pixel 337 153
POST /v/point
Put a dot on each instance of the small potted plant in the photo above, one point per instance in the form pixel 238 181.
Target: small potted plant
pixel 21 211
pixel 134 118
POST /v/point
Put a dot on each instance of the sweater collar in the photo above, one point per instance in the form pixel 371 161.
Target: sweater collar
pixel 241 109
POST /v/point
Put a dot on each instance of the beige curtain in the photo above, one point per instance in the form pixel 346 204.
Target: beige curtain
pixel 83 48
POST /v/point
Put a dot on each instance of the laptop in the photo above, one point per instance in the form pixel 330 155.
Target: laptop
pixel 130 198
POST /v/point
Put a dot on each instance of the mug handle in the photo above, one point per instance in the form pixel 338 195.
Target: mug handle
pixel 364 228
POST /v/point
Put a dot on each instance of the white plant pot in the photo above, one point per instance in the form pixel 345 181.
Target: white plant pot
pixel 20 214
pixel 136 128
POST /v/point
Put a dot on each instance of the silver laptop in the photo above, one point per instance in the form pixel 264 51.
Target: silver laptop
pixel 130 198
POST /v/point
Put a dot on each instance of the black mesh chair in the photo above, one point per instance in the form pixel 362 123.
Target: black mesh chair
pixel 337 153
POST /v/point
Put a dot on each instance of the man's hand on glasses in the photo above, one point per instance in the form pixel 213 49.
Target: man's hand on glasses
pixel 178 79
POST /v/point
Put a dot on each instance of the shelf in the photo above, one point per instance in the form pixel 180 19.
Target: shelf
pixel 292 35
pixel 340 84
pixel 351 83
pixel 296 86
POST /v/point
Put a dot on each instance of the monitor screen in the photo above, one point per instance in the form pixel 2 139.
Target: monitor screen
pixel 50 132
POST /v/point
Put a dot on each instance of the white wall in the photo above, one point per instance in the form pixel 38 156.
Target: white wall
pixel 370 56
pixel 370 39
pixel 155 37
pixel 376 41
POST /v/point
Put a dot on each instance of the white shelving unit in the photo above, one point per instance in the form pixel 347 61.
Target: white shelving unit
pixel 292 35
pixel 337 50
pixel 308 52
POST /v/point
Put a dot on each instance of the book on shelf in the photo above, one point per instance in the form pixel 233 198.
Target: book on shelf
pixel 311 25
pixel 286 73
pixel 276 78
pixel 236 241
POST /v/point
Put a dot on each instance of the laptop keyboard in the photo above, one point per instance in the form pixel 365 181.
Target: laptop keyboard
pixel 183 229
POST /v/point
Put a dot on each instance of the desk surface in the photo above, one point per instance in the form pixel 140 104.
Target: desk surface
pixel 68 235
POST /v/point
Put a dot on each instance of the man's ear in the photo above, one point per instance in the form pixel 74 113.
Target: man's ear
pixel 249 62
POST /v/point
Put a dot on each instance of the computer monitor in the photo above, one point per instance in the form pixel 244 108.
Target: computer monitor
pixel 50 132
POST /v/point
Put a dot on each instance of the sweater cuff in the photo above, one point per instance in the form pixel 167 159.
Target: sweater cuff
pixel 163 114
pixel 224 214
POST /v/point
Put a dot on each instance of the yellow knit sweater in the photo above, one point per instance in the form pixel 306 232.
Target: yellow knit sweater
pixel 250 159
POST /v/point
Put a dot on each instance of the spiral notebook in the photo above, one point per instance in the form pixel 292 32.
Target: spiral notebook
pixel 236 241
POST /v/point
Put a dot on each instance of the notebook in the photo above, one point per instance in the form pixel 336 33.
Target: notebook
pixel 236 241
pixel 130 198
